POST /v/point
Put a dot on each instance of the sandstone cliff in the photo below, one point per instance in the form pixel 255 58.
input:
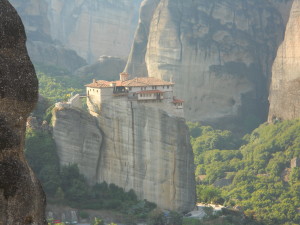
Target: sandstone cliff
pixel 22 200
pixel 91 28
pixel 42 49
pixel 143 148
pixel 94 28
pixel 78 139
pixel 285 86
pixel 219 53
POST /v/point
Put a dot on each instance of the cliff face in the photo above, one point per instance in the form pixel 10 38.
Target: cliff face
pixel 148 151
pixel 94 28
pixel 78 139
pixel 219 54
pixel 143 148
pixel 285 86
pixel 42 49
pixel 90 28
pixel 22 200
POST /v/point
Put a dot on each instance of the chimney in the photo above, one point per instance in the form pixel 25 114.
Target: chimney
pixel 124 76
pixel 94 81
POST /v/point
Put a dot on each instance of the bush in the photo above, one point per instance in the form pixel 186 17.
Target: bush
pixel 84 215
pixel 191 221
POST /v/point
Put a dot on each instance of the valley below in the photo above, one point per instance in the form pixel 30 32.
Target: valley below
pixel 156 112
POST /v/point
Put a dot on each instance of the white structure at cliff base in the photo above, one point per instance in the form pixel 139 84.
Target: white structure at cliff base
pixel 146 90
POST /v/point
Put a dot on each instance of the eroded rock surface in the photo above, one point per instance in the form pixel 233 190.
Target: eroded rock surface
pixel 147 150
pixel 285 86
pixel 78 139
pixel 91 28
pixel 141 148
pixel 105 68
pixel 219 54
pixel 42 48
pixel 22 200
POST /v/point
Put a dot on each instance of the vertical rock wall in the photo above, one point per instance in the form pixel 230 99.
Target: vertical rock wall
pixel 78 139
pixel 138 147
pixel 22 200
pixel 146 150
pixel 285 86
pixel 94 27
pixel 219 54
pixel 91 28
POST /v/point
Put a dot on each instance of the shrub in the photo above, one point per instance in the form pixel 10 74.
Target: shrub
pixel 84 214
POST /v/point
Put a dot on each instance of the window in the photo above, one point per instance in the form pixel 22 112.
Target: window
pixel 168 86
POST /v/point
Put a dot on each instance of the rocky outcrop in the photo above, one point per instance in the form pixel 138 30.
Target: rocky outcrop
pixel 148 151
pixel 105 68
pixel 50 54
pixel 78 140
pixel 285 86
pixel 94 28
pixel 22 200
pixel 143 148
pixel 219 54
pixel 91 28
pixel 42 49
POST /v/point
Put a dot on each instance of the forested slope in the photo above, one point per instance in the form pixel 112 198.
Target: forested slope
pixel 256 177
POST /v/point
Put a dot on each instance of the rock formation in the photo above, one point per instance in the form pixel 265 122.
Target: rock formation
pixel 143 148
pixel 22 200
pixel 219 53
pixel 94 28
pixel 91 28
pixel 42 49
pixel 78 139
pixel 105 68
pixel 285 86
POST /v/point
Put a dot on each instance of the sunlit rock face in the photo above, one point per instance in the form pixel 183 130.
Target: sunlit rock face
pixel 78 139
pixel 219 54
pixel 22 200
pixel 147 150
pixel 285 86
pixel 139 147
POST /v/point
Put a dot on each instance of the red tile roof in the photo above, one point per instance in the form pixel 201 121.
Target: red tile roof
pixel 136 82
pixel 145 81
pixel 150 92
pixel 176 101
pixel 100 84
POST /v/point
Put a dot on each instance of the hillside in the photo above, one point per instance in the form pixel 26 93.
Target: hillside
pixel 257 177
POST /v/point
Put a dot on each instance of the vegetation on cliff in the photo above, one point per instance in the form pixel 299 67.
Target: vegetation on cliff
pixel 68 187
pixel 257 176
